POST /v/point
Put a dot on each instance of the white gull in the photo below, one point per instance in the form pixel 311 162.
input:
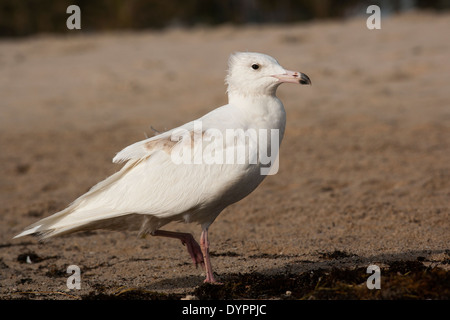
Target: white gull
pixel 152 189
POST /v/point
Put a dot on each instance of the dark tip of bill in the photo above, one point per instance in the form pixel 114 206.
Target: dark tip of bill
pixel 304 79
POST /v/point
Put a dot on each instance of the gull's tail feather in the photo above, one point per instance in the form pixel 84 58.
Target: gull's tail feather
pixel 67 222
pixel 78 214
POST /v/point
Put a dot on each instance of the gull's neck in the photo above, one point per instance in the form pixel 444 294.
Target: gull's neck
pixel 242 92
pixel 261 110
pixel 255 102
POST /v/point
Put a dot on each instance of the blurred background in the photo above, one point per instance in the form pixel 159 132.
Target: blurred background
pixel 28 17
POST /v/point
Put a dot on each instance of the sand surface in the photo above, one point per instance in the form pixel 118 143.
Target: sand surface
pixel 364 167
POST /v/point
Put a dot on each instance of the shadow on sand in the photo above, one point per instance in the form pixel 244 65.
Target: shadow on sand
pixel 338 276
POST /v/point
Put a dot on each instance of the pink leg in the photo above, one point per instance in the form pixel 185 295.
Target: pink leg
pixel 186 239
pixel 204 244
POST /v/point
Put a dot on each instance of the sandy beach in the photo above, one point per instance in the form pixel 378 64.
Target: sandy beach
pixel 364 167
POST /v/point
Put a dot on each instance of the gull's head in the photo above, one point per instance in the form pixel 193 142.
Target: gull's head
pixel 251 73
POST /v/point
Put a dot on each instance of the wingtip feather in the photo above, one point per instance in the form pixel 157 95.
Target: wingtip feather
pixel 27 232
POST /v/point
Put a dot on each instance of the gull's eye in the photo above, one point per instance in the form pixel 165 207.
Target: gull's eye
pixel 255 66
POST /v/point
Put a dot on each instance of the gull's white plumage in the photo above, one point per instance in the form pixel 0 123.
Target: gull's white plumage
pixel 151 190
